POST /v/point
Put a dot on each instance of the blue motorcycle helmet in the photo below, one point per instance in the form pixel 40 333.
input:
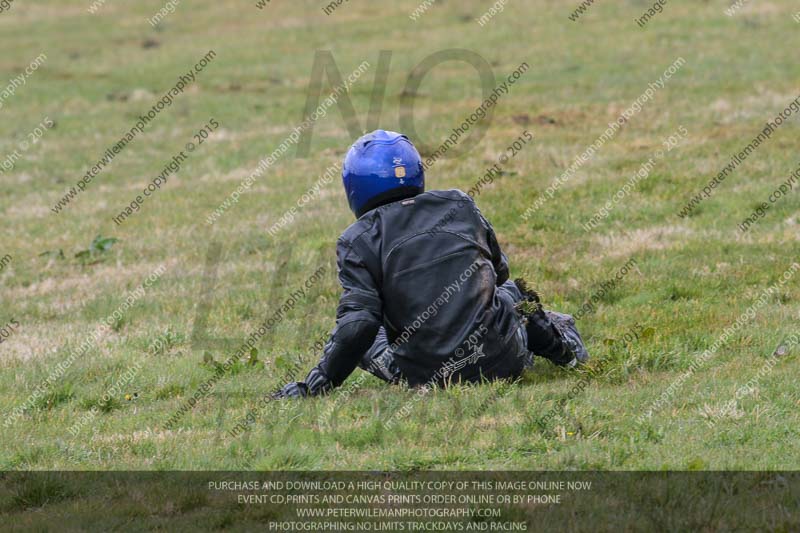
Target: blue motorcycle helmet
pixel 381 167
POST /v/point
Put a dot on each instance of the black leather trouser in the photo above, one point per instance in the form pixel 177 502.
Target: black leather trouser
pixel 538 336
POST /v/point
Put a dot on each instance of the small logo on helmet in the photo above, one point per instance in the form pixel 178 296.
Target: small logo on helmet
pixel 399 172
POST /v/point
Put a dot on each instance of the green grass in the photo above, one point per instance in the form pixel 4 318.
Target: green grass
pixel 695 276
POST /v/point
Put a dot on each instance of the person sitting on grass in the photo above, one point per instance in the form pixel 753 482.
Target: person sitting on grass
pixel 426 292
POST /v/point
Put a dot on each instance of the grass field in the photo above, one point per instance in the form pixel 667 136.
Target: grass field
pixel 649 400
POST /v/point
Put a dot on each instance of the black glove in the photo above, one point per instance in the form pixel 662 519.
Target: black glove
pixel 316 383
pixel 295 389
